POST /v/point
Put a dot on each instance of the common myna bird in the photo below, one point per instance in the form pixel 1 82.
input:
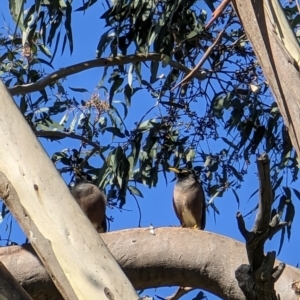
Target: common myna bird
pixel 92 201
pixel 189 199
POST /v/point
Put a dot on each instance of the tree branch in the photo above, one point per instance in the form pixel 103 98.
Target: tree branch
pixel 100 62
pixel 10 287
pixel 203 59
pixel 217 13
pixel 174 256
pixel 257 280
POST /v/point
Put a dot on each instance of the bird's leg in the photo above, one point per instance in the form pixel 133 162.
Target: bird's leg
pixel 195 227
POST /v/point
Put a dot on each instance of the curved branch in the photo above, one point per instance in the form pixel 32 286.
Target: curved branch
pixel 100 62
pixel 174 256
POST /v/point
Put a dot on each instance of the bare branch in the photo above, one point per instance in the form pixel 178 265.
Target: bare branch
pixel 217 13
pixel 95 63
pixel 265 195
pixel 248 236
pixel 257 280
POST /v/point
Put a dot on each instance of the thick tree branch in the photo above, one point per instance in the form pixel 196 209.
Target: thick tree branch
pixel 174 256
pixel 257 280
pixel 100 62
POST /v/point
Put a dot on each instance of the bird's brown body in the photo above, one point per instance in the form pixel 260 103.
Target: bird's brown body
pixel 189 199
pixel 93 203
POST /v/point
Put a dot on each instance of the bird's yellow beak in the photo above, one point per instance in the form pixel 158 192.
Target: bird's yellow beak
pixel 174 170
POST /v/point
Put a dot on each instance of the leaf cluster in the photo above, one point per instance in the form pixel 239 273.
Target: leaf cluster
pixel 217 125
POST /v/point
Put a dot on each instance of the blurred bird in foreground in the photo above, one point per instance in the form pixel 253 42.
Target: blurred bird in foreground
pixel 92 201
pixel 189 199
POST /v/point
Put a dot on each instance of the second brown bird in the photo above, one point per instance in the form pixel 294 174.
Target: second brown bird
pixel 93 203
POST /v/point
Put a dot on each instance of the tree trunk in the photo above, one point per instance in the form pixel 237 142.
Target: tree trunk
pixel 75 256
pixel 277 65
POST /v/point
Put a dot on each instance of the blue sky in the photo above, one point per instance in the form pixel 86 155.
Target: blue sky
pixel 87 30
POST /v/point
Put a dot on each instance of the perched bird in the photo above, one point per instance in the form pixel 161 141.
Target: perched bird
pixel 189 199
pixel 92 201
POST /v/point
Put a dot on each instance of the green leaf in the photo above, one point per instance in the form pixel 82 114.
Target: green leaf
pixel 281 205
pixel 231 144
pixel 281 240
pixel 145 126
pixel 86 5
pixel 53 27
pixel 278 183
pixel 236 197
pixel 16 10
pixel 255 192
pixel 115 131
pixel 68 25
pixel 130 75
pixel 287 192
pixel 236 173
pixel 217 106
pixel 43 61
pixel 190 156
pixel 125 109
pixel 297 193
pixel 73 123
pixel 154 68
pixel 105 39
pixel 135 191
pixel 289 217
pixel 45 50
pixel 80 90
pixel 102 122
pixel 64 119
pixel 128 92
pixel 116 84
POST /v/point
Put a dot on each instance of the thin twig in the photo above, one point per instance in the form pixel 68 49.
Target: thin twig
pixel 191 75
pixel 218 11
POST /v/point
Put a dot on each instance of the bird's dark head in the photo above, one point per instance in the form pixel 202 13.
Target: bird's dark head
pixel 185 173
